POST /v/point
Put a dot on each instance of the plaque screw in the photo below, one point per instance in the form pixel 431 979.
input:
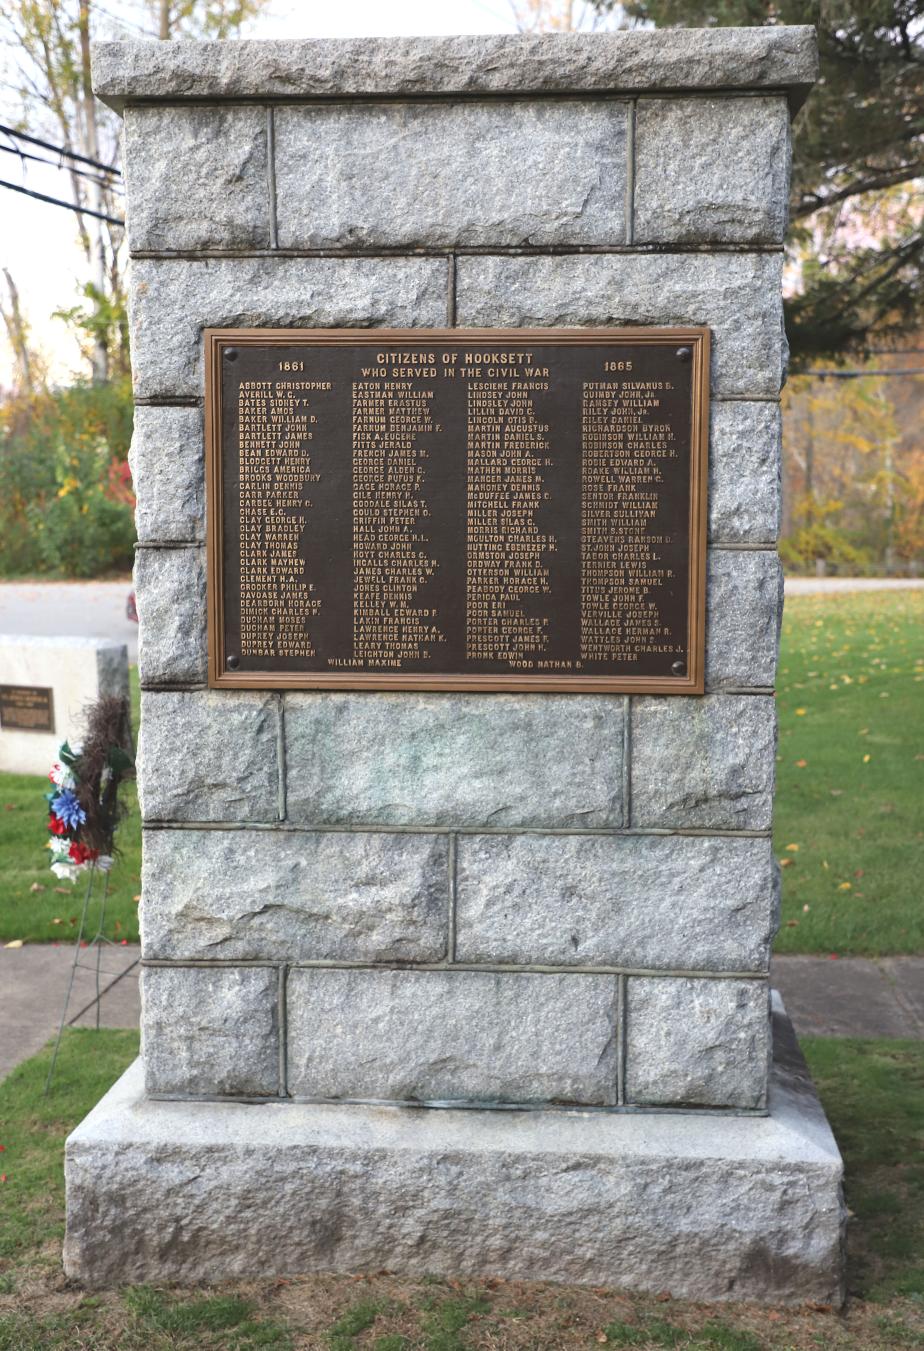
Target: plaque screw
pixel 233 663
pixel 230 354
pixel 679 668
pixel 684 353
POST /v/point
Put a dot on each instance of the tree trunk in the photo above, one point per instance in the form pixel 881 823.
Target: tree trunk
pixel 100 357
pixel 18 336
pixel 164 27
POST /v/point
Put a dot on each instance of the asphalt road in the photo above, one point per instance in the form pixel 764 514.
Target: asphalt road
pixel 69 610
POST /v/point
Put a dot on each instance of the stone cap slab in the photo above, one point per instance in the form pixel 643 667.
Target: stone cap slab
pixel 677 59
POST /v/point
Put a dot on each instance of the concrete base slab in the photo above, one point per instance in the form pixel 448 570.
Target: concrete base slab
pixel 703 1206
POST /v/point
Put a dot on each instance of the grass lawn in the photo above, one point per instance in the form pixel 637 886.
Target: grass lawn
pixel 874 1094
pixel 850 798
pixel 34 905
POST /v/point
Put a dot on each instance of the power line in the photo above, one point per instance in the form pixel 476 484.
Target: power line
pixel 60 150
pixel 56 164
pixel 125 23
pixel 56 201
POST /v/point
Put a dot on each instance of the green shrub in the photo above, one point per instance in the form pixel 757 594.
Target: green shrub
pixel 66 505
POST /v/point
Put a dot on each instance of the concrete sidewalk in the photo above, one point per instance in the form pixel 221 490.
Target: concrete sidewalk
pixel 33 985
pixel 826 586
pixel 848 997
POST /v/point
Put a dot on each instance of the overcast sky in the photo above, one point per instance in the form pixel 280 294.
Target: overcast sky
pixel 37 241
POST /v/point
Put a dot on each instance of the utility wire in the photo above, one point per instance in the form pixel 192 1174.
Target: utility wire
pixel 56 164
pixel 56 201
pixel 60 150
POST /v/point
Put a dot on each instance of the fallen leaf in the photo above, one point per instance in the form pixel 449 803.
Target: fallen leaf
pixel 859 872
pixel 57 921
pixel 801 764
pixel 37 886
pixel 806 909
pixel 801 712
pixel 14 943
pixel 844 886
pixel 136 898
pixel 866 759
pixel 63 891
pixel 792 924
pixel 11 806
pixel 837 792
pixel 786 862
pixel 792 849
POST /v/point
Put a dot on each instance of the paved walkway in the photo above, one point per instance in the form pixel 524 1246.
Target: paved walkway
pixel 851 997
pixel 33 984
pixel 821 586
pixel 69 609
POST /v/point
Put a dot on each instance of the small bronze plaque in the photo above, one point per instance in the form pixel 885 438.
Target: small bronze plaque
pixel 26 708
pixel 457 509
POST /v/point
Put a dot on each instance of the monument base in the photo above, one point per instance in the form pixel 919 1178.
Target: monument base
pixel 703 1206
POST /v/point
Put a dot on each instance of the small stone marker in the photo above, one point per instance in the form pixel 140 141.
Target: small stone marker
pixel 485 935
pixel 45 684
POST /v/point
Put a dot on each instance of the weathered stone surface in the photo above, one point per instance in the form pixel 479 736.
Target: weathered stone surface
pixel 745 456
pixel 711 170
pixel 703 762
pixel 208 756
pixel 748 1208
pixel 744 607
pixel 173 300
pixel 111 665
pixel 196 177
pixel 673 59
pixel 170 595
pixel 439 175
pixel 737 295
pixel 656 901
pixel 168 474
pixel 702 1043
pixel 454 759
pixel 210 1030
pixel 295 896
pixel 451 1036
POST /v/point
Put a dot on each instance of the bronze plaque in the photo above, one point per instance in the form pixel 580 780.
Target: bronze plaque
pixel 26 708
pixel 457 509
